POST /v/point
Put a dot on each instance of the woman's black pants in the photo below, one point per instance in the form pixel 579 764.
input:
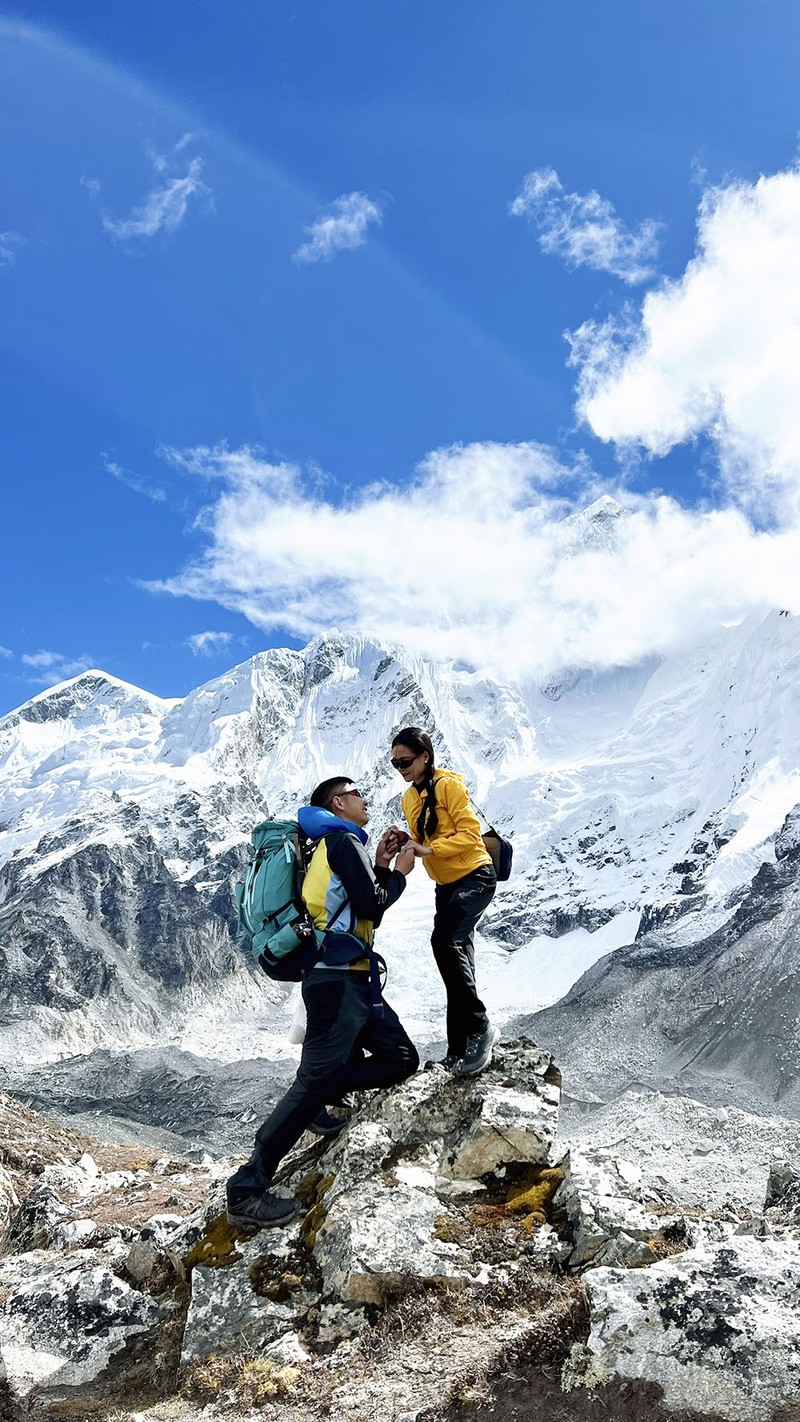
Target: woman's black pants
pixel 458 908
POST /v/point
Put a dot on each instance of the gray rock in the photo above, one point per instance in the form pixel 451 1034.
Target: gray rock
pixel 141 1260
pixel 8 1200
pixel 783 1189
pixel 788 839
pixel 35 1223
pixel 385 1209
pixel 62 1320
pixel 609 1224
pixel 226 1312
pixel 718 1328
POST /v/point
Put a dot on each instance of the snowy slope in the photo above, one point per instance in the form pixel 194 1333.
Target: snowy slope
pixel 647 790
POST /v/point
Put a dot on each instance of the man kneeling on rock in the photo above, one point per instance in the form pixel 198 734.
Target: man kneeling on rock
pixel 347 1016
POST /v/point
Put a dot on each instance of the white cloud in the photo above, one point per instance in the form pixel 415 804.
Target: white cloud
pixel 133 481
pixel 472 560
pixel 6 652
pixel 584 229
pixel 54 666
pixel 10 242
pixel 341 227
pixel 716 352
pixel 166 205
pixel 206 644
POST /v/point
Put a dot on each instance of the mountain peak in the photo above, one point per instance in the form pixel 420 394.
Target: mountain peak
pixel 595 526
pixel 63 700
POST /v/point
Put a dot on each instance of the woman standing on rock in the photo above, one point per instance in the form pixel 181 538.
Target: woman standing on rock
pixel 447 835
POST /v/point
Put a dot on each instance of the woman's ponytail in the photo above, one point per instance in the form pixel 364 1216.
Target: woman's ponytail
pixel 428 821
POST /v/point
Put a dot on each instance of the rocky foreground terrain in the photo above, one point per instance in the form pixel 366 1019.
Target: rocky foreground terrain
pixel 461 1253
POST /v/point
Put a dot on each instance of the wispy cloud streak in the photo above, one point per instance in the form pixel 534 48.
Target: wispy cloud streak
pixel 10 242
pixel 165 207
pixel 134 481
pixel 206 644
pixel 51 667
pixel 341 227
pixel 584 229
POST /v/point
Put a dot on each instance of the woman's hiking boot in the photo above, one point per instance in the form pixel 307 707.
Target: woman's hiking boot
pixel 269 1210
pixel 479 1051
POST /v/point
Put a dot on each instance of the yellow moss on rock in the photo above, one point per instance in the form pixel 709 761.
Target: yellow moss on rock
pixel 217 1247
pixel 312 1187
pixel 533 1195
pixel 449 1229
pixel 312 1225
pixel 311 1191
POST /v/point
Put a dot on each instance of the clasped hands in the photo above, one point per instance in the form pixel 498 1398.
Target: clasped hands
pixel 395 841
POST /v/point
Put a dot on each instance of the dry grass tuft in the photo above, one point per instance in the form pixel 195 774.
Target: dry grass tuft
pixel 238 1381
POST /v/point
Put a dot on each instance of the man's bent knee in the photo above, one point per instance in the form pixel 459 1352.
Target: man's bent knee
pixel 408 1062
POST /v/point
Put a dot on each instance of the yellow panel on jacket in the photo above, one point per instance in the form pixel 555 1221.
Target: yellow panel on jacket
pixel 323 893
pixel 457 845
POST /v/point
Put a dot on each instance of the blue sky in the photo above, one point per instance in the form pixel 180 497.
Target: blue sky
pixel 276 277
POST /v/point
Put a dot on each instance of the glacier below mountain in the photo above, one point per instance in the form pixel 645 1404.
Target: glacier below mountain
pixel 641 801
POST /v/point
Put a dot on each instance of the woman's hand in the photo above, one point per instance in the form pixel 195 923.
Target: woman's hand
pixel 421 850
pixel 405 859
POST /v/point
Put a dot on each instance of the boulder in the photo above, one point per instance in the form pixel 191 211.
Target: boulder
pixel 63 1320
pixel 609 1223
pixel 37 1221
pixel 383 1206
pixel 782 1200
pixel 226 1312
pixel 386 1199
pixel 718 1327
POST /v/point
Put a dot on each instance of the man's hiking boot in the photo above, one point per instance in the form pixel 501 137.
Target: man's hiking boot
pixel 479 1051
pixel 266 1211
pixel 324 1124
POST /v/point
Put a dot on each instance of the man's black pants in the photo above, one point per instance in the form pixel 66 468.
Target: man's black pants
pixel 458 909
pixel 339 1008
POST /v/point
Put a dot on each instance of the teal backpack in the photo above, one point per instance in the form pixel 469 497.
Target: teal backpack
pixel 285 942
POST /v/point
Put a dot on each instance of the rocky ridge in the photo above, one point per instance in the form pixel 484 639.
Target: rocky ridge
pixel 452 1244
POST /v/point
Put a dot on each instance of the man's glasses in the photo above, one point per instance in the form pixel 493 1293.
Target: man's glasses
pixel 404 761
pixel 352 792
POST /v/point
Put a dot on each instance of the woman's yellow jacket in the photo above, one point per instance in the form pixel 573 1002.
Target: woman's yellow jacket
pixel 457 844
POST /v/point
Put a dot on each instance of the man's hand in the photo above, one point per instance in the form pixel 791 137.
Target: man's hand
pixel 387 848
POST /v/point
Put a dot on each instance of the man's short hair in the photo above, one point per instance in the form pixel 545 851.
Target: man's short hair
pixel 325 791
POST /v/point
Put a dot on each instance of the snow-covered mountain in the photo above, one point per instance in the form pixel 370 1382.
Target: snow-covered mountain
pixel 713 1014
pixel 644 793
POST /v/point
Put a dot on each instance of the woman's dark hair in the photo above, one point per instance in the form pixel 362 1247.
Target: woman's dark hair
pixel 419 742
